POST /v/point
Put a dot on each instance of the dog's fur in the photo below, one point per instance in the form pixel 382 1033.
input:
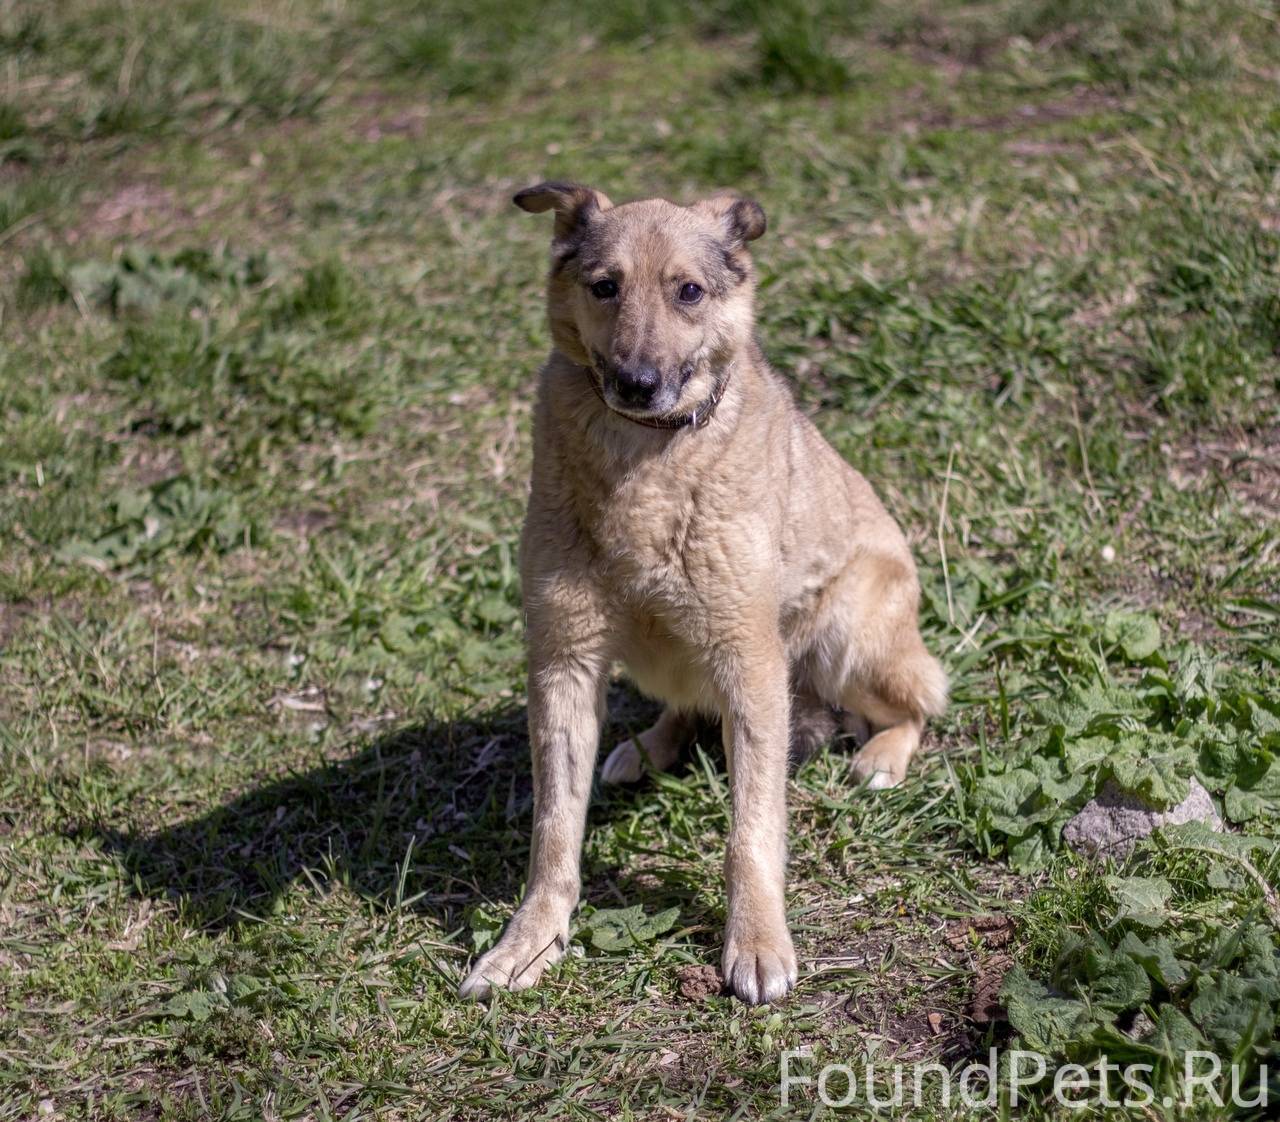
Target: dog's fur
pixel 736 565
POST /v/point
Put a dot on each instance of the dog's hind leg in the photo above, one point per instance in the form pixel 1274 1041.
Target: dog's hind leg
pixel 895 697
pixel 813 724
pixel 659 746
pixel 854 727
pixel 875 667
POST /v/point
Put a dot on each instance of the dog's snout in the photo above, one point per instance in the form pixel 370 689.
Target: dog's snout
pixel 638 382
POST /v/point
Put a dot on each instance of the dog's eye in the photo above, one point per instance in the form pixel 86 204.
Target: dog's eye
pixel 604 289
pixel 690 293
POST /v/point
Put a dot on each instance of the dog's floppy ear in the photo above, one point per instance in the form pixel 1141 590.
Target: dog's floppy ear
pixel 742 219
pixel 573 203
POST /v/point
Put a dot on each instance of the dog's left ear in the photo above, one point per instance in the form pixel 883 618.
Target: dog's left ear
pixel 573 203
pixel 742 219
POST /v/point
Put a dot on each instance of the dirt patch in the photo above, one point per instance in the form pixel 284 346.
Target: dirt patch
pixel 305 523
pixel 406 122
pixel 1037 149
pixel 1080 101
pixel 136 211
pixel 989 931
pixel 930 986
pixel 934 1028
pixel 985 1007
pixel 985 939
pixel 697 983
pixel 1245 461
pixel 13 615
pixel 1170 595
pixel 914 1021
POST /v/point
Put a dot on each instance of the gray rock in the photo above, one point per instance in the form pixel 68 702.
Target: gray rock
pixel 1111 824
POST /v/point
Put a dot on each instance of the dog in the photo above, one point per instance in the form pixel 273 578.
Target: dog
pixel 686 519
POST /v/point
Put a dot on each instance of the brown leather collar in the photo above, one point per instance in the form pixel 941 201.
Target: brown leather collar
pixel 698 417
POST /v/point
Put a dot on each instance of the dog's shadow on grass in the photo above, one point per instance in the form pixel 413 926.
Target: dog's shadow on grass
pixel 432 817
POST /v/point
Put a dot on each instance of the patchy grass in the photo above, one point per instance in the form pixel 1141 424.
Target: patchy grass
pixel 268 334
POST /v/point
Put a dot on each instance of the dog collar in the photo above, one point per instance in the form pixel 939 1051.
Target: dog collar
pixel 697 418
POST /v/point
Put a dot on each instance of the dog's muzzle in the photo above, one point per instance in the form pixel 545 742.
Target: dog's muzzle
pixel 641 394
pixel 639 388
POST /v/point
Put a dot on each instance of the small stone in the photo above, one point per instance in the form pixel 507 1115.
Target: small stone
pixel 1111 824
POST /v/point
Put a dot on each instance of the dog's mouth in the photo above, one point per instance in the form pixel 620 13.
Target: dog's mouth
pixel 665 397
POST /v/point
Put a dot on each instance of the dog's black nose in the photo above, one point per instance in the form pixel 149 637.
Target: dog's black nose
pixel 637 384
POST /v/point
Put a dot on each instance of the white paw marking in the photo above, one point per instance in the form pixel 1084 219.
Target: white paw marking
pixel 514 964
pixel 759 974
pixel 877 771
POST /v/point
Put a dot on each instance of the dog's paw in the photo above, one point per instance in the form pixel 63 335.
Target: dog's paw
pixel 761 969
pixel 516 963
pixel 654 747
pixel 624 764
pixel 879 769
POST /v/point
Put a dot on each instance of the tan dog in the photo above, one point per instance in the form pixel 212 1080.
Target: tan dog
pixel 688 520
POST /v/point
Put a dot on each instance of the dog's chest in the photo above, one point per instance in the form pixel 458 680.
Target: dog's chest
pixel 645 534
pixel 663 663
pixel 655 579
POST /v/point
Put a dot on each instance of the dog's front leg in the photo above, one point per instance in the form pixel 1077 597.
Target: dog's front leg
pixel 759 961
pixel 566 709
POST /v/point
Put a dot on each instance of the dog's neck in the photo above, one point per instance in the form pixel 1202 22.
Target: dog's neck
pixel 698 417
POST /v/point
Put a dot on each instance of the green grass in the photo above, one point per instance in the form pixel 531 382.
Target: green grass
pixel 269 330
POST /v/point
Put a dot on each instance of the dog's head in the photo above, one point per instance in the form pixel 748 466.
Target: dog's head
pixel 655 298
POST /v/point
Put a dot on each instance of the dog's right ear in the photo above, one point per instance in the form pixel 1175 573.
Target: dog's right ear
pixel 742 219
pixel 574 204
